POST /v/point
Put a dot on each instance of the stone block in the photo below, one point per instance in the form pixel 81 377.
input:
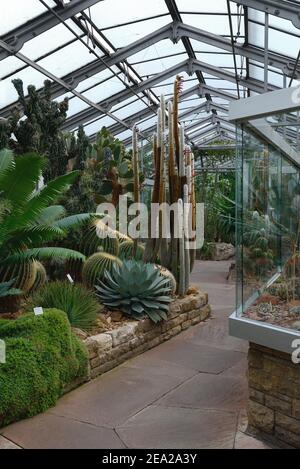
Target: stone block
pixel 296 408
pixel 257 396
pixel 278 404
pixel 196 320
pixel 197 301
pixel 287 436
pixel 103 341
pixel 193 313
pixel 186 304
pixel 261 417
pixel 186 324
pixel 288 423
pixel 205 312
pixel 123 334
pixel 174 309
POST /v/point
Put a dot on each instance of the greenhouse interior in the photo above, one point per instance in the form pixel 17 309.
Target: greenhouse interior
pixel 149 226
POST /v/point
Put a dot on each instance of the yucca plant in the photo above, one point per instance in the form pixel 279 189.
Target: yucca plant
pixel 76 301
pixel 136 289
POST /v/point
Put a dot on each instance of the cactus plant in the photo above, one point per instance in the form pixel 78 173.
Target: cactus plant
pixel 127 250
pixel 40 277
pixel 137 289
pixel 100 237
pixel 23 273
pixel 174 253
pixel 96 266
pixel 167 274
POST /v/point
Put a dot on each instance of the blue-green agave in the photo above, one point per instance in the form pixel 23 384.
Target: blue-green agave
pixel 137 289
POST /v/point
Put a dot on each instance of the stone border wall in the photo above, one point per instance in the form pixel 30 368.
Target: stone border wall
pixel 274 395
pixel 110 349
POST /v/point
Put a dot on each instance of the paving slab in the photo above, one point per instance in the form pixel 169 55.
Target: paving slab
pixel 169 427
pixel 7 444
pixel 201 357
pixel 206 391
pixel 112 398
pixel 46 431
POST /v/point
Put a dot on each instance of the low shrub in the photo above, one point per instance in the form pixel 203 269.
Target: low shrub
pixel 79 304
pixel 42 357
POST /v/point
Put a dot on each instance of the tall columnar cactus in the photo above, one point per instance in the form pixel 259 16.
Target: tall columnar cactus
pixel 96 266
pixel 173 183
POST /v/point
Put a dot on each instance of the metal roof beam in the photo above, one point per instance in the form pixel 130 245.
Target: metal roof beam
pixel 280 8
pixel 189 66
pixel 88 114
pixel 36 26
pixel 173 31
pixel 284 63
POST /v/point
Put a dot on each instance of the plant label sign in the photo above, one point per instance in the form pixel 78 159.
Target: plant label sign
pixel 70 278
pixel 38 310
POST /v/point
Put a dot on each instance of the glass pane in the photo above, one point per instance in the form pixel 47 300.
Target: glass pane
pixel 107 14
pixel 14 14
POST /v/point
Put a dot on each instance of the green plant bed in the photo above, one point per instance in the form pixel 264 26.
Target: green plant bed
pixel 42 357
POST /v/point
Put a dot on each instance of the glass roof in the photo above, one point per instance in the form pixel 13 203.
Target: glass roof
pixel 122 55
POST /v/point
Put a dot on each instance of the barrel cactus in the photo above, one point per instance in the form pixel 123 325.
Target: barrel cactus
pixel 164 272
pixel 126 250
pixel 137 289
pixel 100 237
pixel 40 277
pixel 96 266
pixel 23 273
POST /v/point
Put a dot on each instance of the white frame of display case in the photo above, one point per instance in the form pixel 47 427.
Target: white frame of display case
pixel 253 111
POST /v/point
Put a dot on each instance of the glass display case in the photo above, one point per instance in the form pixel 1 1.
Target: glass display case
pixel 267 223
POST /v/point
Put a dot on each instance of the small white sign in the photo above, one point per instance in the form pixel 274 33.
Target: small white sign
pixel 38 310
pixel 70 278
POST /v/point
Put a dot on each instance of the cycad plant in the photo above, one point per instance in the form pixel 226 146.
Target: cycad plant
pixel 28 223
pixel 136 289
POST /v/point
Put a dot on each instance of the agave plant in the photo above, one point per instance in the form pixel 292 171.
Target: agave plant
pixel 28 223
pixel 7 290
pixel 137 289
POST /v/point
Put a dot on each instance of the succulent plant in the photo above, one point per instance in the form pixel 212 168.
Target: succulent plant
pixel 76 301
pixel 7 290
pixel 164 272
pixel 100 237
pixel 40 277
pixel 23 273
pixel 127 247
pixel 136 289
pixel 96 266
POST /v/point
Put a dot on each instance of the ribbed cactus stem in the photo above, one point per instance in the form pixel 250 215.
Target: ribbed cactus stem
pixel 186 215
pixel 181 152
pixel 135 165
pixel 181 266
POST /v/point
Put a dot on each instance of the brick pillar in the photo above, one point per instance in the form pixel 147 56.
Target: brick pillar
pixel 274 395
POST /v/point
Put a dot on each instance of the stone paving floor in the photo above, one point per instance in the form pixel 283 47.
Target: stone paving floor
pixel 189 392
